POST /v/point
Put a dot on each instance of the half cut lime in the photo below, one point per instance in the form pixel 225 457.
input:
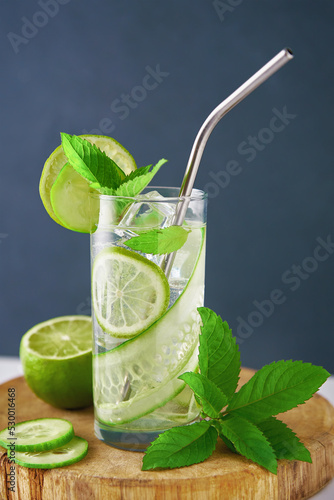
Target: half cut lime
pixel 56 356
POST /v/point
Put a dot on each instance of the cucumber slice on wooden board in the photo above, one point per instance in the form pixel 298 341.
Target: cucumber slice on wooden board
pixel 67 454
pixel 37 435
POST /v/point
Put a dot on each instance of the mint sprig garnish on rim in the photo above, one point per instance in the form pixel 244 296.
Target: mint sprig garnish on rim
pixel 102 172
pixel 159 241
pixel 244 419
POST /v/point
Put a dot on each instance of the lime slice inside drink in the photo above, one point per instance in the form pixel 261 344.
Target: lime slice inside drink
pixel 72 184
pixel 140 375
pixel 56 356
pixel 38 435
pixel 69 453
pixel 129 292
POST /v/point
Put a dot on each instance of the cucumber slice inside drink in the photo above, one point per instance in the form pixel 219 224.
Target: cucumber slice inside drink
pixel 37 435
pixel 68 454
pixel 151 362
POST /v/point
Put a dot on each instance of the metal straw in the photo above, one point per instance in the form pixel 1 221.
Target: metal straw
pixel 203 135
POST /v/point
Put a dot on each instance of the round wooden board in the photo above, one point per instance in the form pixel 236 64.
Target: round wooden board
pixel 108 473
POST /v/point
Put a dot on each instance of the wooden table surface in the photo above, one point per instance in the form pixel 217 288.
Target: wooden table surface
pixel 108 473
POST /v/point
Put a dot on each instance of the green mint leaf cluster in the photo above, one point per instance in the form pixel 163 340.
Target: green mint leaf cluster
pixel 159 241
pixel 102 172
pixel 245 420
pixel 104 175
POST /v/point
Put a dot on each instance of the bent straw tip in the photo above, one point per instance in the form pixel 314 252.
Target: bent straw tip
pixel 288 52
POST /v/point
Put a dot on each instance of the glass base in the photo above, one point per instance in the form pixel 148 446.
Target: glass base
pixel 125 439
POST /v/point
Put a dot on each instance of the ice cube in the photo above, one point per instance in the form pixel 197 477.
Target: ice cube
pixel 146 215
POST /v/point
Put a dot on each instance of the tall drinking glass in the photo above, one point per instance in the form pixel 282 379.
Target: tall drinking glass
pixel 146 323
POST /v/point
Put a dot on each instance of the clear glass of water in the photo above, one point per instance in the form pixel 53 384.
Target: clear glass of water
pixel 137 393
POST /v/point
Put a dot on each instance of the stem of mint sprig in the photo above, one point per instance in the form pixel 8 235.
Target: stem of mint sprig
pixel 245 419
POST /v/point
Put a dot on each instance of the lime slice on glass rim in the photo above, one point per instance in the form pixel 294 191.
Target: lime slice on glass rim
pixel 38 435
pixel 153 360
pixel 68 454
pixel 71 202
pixel 68 204
pixel 129 292
pixel 56 356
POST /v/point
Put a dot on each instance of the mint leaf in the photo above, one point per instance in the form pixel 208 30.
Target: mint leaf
pixel 139 172
pixel 91 163
pixel 219 357
pixel 210 397
pixel 130 177
pixel 136 181
pixel 181 446
pixel 276 388
pixel 283 440
pixel 249 441
pixel 228 443
pixel 159 241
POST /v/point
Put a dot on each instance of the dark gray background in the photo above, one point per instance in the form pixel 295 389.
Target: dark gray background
pixel 66 76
